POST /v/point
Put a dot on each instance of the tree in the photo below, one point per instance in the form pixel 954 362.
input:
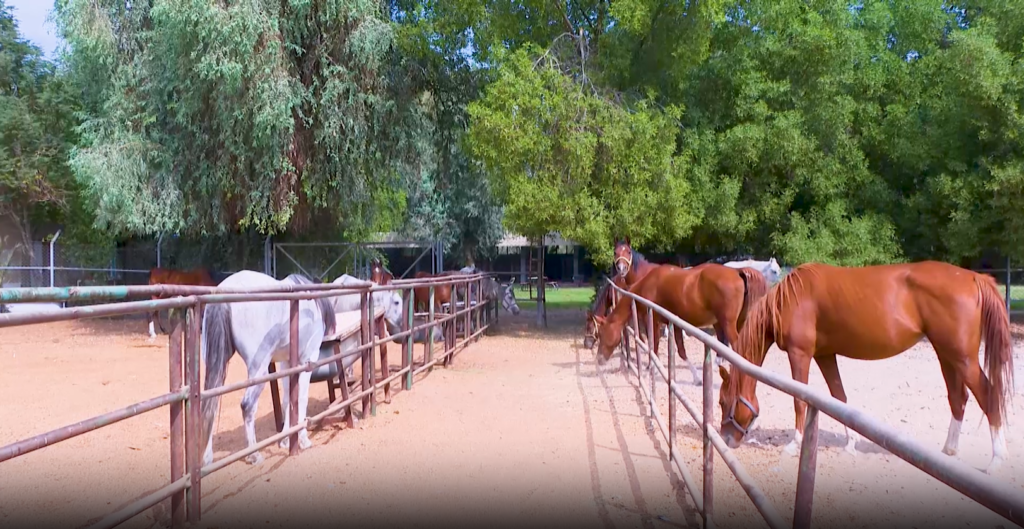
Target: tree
pixel 209 117
pixel 36 132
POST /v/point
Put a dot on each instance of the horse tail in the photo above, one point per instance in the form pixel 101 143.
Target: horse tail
pixel 754 288
pixel 995 323
pixel 218 347
pixel 328 315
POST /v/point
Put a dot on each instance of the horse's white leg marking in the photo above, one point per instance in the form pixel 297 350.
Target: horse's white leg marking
pixel 152 331
pixel 953 437
pixel 250 403
pixel 851 440
pixel 304 377
pixel 793 448
pixel 999 451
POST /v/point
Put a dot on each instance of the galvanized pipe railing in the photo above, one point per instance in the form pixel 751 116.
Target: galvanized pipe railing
pixel 186 395
pixel 970 482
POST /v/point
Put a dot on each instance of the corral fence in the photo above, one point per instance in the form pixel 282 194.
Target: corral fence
pixel 972 483
pixel 185 396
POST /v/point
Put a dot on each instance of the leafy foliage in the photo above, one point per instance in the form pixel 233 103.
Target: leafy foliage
pixel 211 116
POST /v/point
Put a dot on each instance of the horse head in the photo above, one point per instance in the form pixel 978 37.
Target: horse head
pixel 508 298
pixel 740 408
pixel 623 257
pixel 609 334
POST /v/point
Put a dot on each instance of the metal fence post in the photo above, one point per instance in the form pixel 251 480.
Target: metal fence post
pixel 709 451
pixel 409 313
pixel 194 430
pixel 651 341
pixel 293 380
pixel 177 421
pixel 671 397
pixel 364 338
pixel 808 468
pixel 636 339
pixel 429 341
pixel 370 322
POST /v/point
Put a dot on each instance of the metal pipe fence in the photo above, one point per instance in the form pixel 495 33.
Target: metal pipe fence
pixel 970 482
pixel 185 395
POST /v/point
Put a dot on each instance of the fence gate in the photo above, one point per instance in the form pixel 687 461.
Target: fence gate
pixel 325 261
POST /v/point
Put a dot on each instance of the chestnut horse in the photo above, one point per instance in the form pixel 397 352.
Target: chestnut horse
pixel 164 276
pixel 705 295
pixel 630 266
pixel 601 307
pixel 820 311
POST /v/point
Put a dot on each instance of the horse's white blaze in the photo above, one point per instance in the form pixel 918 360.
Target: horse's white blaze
pixel 953 437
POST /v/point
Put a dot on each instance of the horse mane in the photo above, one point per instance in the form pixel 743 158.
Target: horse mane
pixel 765 317
pixel 637 258
pixel 325 305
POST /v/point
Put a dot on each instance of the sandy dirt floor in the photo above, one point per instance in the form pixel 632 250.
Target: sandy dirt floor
pixel 522 428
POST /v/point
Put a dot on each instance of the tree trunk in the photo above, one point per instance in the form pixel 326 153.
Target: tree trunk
pixel 542 310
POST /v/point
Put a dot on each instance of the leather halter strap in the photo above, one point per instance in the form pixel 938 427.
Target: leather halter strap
pixel 732 414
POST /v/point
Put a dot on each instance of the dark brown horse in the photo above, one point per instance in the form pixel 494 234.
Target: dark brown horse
pixel 820 311
pixel 164 276
pixel 706 295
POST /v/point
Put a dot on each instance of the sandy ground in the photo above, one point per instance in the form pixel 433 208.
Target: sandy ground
pixel 521 429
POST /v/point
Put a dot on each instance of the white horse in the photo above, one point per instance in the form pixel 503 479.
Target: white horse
pixel 770 268
pixel 260 332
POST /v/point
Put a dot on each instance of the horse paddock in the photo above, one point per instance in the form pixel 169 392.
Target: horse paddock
pixel 521 428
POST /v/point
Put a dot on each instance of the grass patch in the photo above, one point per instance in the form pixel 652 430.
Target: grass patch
pixel 562 298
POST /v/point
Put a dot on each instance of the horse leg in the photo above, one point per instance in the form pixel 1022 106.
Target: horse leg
pixel 250 403
pixel 800 366
pixel 830 370
pixel 681 350
pixel 728 336
pixel 957 394
pixel 970 372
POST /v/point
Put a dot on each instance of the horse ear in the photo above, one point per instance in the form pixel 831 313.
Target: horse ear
pixel 724 374
pixel 626 239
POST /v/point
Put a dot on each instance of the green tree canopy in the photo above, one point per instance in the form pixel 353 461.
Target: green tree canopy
pixel 210 116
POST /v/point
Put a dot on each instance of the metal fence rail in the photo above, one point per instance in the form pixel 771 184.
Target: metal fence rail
pixel 185 395
pixel 972 483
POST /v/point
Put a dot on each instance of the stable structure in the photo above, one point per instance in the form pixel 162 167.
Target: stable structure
pixel 564 260
pixel 323 260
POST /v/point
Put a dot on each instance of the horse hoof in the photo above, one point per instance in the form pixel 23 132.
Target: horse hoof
pixel 791 449
pixel 949 451
pixel 993 466
pixel 283 443
pixel 305 443
pixel 852 450
pixel 254 458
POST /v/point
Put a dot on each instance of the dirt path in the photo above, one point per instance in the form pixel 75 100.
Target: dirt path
pixel 520 430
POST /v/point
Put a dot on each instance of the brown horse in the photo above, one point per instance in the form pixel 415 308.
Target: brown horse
pixel 871 313
pixel 602 307
pixel 164 276
pixel 442 293
pixel 706 295
pixel 630 266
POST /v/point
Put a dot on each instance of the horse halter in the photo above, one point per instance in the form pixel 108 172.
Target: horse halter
pixel 732 415
pixel 627 260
